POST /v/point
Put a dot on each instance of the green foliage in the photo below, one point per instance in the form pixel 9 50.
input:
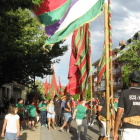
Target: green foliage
pixel 40 90
pixel 31 94
pixel 76 96
pixel 131 58
pixel 7 5
pixel 40 87
pixel 21 54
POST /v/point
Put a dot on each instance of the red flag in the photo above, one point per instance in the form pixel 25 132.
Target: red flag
pixel 60 84
pixel 79 62
pixel 53 85
pixel 46 86
pixel 60 87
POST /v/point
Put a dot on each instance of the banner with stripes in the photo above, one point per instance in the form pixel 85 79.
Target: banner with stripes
pixel 80 61
pixel 61 17
pixel 102 62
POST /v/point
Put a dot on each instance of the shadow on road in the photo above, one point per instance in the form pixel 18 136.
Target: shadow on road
pixel 94 130
pixel 74 134
pixel 23 136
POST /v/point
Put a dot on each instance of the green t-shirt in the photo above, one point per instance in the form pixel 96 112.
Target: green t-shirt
pixel 26 108
pixel 20 106
pixel 116 106
pixel 81 112
pixel 32 111
pixel 42 105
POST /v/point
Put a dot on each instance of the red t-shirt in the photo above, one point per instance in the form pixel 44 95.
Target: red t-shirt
pixel 73 104
pixel 87 106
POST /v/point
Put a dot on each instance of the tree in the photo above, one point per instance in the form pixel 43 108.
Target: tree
pixel 131 58
pixel 7 5
pixel 21 54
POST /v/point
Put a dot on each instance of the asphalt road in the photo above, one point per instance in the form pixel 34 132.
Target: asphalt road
pixel 93 133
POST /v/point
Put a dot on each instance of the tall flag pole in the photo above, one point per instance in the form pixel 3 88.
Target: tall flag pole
pixel 91 93
pixel 107 66
pixel 110 48
pixel 111 60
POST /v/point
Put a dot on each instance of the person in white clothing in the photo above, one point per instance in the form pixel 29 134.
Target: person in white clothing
pixel 11 124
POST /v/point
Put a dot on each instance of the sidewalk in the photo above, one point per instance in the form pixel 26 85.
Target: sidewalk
pixel 26 134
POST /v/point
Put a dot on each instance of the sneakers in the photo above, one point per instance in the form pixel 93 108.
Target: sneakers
pixel 92 124
pixel 46 125
pixel 61 129
pixel 21 128
pixel 42 125
pixel 89 124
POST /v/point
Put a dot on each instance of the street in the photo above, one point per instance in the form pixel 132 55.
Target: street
pixel 42 133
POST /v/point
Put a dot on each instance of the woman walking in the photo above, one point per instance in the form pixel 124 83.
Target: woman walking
pixel 80 113
pixel 11 123
pixel 51 114
pixel 32 115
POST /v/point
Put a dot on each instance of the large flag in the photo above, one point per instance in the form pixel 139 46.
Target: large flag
pixel 102 62
pixel 46 87
pixel 61 17
pixel 79 66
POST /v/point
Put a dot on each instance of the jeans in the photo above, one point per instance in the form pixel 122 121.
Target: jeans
pixel 91 117
pixel 79 124
pixel 57 116
pixel 43 117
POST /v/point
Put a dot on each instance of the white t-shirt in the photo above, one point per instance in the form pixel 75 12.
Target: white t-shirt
pixel 11 123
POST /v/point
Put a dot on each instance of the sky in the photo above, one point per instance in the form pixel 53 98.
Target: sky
pixel 125 23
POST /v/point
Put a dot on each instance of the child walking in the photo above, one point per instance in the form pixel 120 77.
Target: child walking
pixel 11 124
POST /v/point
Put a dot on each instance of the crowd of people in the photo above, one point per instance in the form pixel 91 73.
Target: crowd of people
pixel 60 111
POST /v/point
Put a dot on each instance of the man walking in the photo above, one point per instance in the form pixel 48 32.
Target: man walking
pixel 21 110
pixel 57 109
pixel 91 111
pixel 67 113
pixel 102 116
pixel 129 106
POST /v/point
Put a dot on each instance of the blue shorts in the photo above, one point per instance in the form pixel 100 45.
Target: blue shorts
pixel 11 136
pixel 68 117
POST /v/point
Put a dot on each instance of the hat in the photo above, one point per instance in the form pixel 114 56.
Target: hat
pixel 135 76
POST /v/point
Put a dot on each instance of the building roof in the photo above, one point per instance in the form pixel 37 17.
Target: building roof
pixel 96 63
pixel 114 50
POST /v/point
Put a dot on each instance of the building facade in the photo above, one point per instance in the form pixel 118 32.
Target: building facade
pixel 14 90
pixel 117 68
